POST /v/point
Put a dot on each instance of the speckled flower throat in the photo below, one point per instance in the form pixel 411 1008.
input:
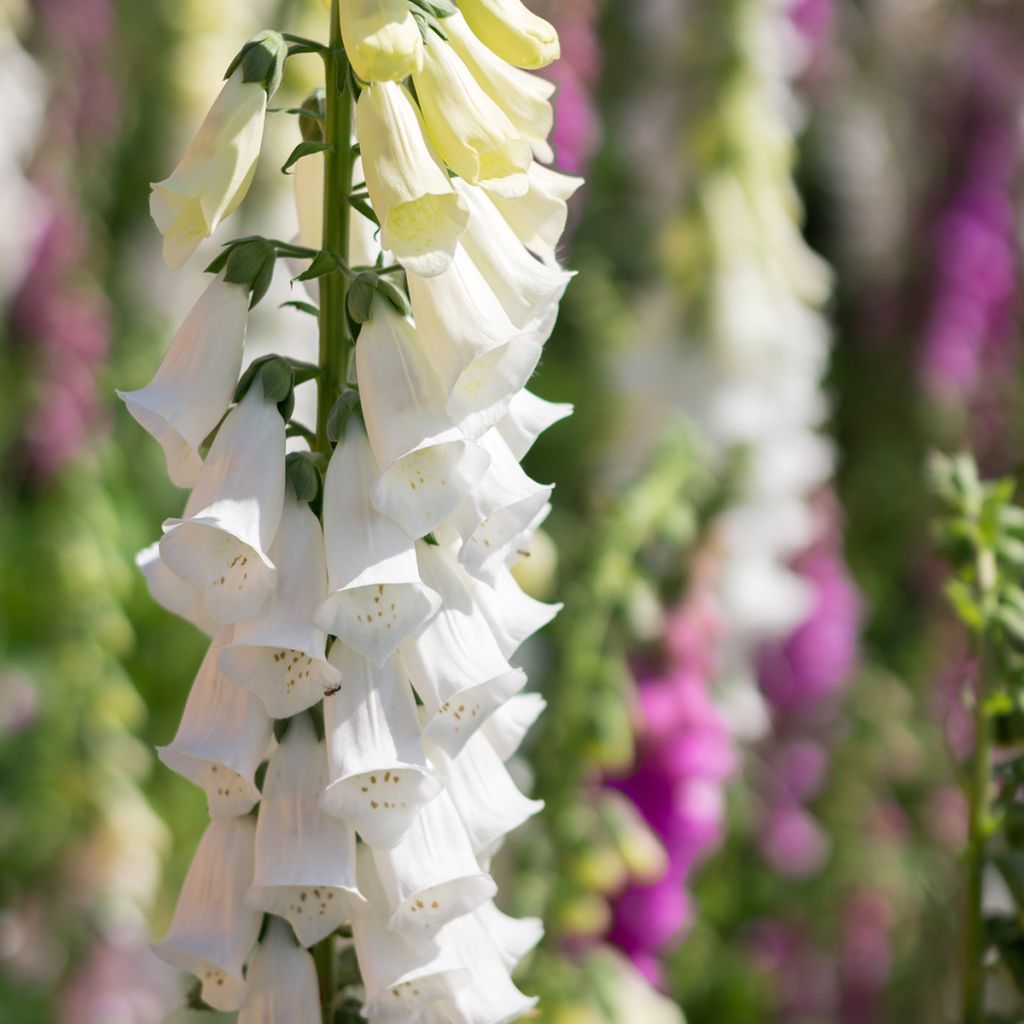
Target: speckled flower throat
pixel 351 721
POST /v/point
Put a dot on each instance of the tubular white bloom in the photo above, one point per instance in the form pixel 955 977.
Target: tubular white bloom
pixel 524 99
pixel 216 171
pixel 481 356
pixel 222 738
pixel 507 727
pixel 382 39
pixel 220 544
pixel 492 518
pixel 171 592
pixel 401 978
pixel 431 876
pixel 470 132
pixel 427 466
pixel 513 937
pixel 213 931
pixel 488 801
pixel 380 776
pixel 282 980
pixel 305 858
pixel 376 598
pixel 192 389
pixel 279 654
pixel 513 32
pixel 538 218
pixel 454 662
pixel 421 215
pixel 528 417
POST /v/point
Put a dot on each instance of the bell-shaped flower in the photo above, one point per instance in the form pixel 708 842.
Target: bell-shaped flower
pixel 375 595
pixel 454 662
pixel 513 32
pixel 380 776
pixel 213 931
pixel 279 653
pixel 513 937
pixel 538 218
pixel 507 727
pixel 525 99
pixel 470 132
pixel 171 592
pixel 220 544
pixel 401 977
pixel 223 736
pixel 491 997
pixel 481 356
pixel 282 980
pixel 488 801
pixel 431 876
pixel 192 389
pixel 382 40
pixel 493 517
pixel 420 214
pixel 305 858
pixel 528 417
pixel 427 466
pixel 216 171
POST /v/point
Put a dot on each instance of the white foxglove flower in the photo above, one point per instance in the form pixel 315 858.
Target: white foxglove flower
pixel 193 387
pixel 538 218
pixel 454 662
pixel 524 99
pixel 375 596
pixel 513 32
pixel 216 171
pixel 171 592
pixel 401 977
pixel 380 776
pixel 427 466
pixel 528 417
pixel 305 858
pixel 513 937
pixel 488 801
pixel 432 876
pixel 213 931
pixel 470 132
pixel 507 727
pixel 421 215
pixel 220 544
pixel 222 738
pixel 382 40
pixel 279 654
pixel 282 980
pixel 481 356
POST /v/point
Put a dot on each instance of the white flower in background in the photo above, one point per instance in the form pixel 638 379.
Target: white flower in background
pixel 375 595
pixel 279 653
pixel 305 858
pixel 470 132
pixel 420 213
pixel 282 980
pixel 194 384
pixel 512 31
pixel 221 544
pixel 224 734
pixel 382 39
pixel 213 931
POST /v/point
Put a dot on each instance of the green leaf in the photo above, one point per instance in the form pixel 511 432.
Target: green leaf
pixel 303 475
pixel 961 597
pixel 304 148
pixel 303 307
pixel 363 207
pixel 1010 864
pixel 302 372
pixel 337 419
pixel 323 263
pixel 438 8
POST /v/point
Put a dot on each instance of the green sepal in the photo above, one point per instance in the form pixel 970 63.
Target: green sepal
pixel 303 372
pixel 337 419
pixel 303 475
pixel 262 60
pixel 394 295
pixel 363 207
pixel 324 262
pixel 302 307
pixel 249 262
pixel 277 379
pixel 430 540
pixel 304 148
pixel 438 8
pixel 314 107
pixel 359 300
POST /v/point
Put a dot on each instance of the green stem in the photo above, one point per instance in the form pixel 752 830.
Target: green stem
pixel 980 784
pixel 335 343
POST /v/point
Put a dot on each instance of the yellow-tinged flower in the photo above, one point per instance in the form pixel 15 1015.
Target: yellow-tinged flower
pixel 421 215
pixel 513 32
pixel 216 171
pixel 468 129
pixel 382 39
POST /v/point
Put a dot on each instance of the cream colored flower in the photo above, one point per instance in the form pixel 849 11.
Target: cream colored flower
pixel 382 40
pixel 513 32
